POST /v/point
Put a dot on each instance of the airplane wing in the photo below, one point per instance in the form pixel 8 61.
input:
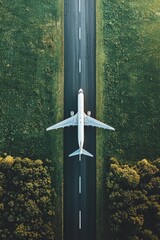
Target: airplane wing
pixel 89 121
pixel 72 121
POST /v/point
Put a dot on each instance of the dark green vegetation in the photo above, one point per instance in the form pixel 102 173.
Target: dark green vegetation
pixel 30 64
pixel 132 71
pixel 130 60
pixel 133 201
pixel 26 199
pixel 31 96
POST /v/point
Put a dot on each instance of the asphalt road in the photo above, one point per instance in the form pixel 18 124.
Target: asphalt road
pixel 79 72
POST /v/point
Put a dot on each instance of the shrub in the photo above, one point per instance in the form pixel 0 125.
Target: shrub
pixel 133 203
pixel 26 200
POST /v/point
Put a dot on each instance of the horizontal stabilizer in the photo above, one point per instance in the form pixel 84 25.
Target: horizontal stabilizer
pixel 79 152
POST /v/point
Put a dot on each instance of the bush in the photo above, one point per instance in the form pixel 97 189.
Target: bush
pixel 26 200
pixel 133 203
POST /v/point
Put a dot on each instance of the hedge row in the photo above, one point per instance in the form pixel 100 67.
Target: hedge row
pixel 133 201
pixel 26 199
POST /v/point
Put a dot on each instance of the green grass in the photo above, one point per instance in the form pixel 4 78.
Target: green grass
pixel 32 84
pixel 100 136
pixel 58 135
pixel 128 72
pixel 132 69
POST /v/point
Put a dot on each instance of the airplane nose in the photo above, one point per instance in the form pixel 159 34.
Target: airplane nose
pixel 80 90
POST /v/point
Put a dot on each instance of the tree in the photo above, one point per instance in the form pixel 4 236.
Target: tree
pixel 26 200
pixel 132 201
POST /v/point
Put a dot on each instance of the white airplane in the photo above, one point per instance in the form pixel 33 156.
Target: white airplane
pixel 80 119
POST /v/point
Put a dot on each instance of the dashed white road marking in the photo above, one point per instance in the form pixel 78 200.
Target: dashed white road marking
pixel 80 185
pixel 80 219
pixel 80 65
pixel 79 8
pixel 80 33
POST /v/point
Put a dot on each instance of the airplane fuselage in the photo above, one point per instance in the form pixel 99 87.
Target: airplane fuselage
pixel 80 119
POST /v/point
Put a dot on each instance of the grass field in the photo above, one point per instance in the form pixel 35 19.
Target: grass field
pixel 128 63
pixel 32 84
pixel 100 136
pixel 128 70
pixel 132 70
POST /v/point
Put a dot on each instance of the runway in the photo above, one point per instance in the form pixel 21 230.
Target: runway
pixel 79 72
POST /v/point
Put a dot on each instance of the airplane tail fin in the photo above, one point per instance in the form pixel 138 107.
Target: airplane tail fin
pixel 80 152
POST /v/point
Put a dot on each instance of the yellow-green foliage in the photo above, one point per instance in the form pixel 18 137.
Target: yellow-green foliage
pixel 26 200
pixel 133 201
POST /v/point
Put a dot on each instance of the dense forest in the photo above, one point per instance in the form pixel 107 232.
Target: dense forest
pixel 132 71
pixel 27 199
pixel 133 200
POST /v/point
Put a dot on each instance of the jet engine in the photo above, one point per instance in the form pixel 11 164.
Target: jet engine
pixel 89 113
pixel 72 113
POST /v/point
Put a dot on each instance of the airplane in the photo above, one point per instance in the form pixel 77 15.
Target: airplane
pixel 81 120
